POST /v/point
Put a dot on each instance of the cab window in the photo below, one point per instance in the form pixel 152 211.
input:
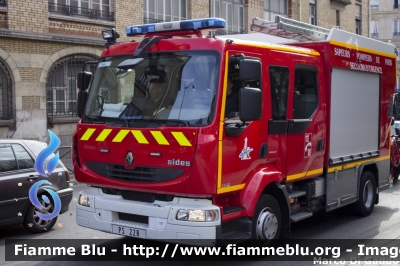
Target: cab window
pixel 305 100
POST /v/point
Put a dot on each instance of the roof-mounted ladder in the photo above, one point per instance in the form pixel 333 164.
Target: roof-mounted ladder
pixel 290 29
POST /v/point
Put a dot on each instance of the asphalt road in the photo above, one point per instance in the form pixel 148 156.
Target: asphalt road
pixel 383 223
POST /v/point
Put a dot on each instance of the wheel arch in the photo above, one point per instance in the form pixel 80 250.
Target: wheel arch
pixel 373 168
pixel 267 181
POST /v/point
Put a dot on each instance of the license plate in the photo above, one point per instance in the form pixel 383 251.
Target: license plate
pixel 129 231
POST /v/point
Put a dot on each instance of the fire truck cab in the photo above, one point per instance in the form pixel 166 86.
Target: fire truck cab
pixel 194 140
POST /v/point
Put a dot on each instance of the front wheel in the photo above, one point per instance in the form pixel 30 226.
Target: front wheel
pixel 34 223
pixel 366 195
pixel 266 222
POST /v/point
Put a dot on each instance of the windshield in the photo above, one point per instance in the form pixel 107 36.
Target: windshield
pixel 165 88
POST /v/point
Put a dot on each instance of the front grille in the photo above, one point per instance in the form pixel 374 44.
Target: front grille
pixel 139 174
pixel 133 218
pixel 145 197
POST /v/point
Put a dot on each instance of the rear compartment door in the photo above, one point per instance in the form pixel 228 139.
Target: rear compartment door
pixel 354 94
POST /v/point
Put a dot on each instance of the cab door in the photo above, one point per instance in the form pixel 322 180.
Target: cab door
pixel 240 154
pixel 306 123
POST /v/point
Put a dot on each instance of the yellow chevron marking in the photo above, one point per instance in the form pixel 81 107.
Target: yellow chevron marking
pixel 159 137
pixel 139 136
pixel 104 134
pixel 180 137
pixel 121 135
pixel 88 133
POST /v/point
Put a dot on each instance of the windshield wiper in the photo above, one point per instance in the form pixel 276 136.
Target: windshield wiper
pixel 167 121
pixel 97 119
pixel 112 119
pixel 102 119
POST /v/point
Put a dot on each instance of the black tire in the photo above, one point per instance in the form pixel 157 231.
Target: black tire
pixel 367 195
pixel 266 222
pixel 396 175
pixel 35 224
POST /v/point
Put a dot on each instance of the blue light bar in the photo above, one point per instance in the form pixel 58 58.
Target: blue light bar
pixel 185 25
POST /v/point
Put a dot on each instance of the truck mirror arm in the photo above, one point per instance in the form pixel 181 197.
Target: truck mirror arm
pixel 234 128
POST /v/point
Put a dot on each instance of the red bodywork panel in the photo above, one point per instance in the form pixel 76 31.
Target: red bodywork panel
pixel 216 168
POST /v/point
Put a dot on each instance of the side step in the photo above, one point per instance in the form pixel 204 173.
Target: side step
pixel 235 231
pixel 296 194
pixel 300 216
pixel 237 236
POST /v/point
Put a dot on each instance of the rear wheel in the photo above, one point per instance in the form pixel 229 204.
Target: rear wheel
pixel 266 222
pixel 367 195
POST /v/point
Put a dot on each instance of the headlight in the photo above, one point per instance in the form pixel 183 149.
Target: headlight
pixel 84 200
pixel 197 215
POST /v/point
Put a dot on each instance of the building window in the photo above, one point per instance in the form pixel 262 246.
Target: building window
pixel 274 8
pixel 374 4
pixel 5 93
pixel 374 29
pixel 233 13
pixel 396 4
pixel 396 28
pixel 338 18
pixel 61 86
pixel 358 26
pixel 94 9
pixel 164 10
pixel 313 13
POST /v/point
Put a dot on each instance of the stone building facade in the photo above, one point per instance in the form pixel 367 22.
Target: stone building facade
pixel 385 25
pixel 348 15
pixel 44 43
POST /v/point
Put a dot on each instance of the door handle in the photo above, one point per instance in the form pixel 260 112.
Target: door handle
pixel 320 145
pixel 32 177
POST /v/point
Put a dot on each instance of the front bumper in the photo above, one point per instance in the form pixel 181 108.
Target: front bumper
pixel 65 197
pixel 156 218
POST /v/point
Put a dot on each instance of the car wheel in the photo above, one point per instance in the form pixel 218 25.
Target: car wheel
pixel 33 222
pixel 366 196
pixel 266 221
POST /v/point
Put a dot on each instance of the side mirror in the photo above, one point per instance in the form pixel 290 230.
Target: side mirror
pixel 84 78
pixel 250 104
pixel 81 102
pixel 250 69
pixel 249 110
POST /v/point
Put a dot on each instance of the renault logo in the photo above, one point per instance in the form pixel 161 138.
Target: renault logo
pixel 129 158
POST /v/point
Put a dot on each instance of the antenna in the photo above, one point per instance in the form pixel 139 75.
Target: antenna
pixel 290 29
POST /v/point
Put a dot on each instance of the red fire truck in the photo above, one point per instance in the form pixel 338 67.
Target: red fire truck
pixel 203 139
